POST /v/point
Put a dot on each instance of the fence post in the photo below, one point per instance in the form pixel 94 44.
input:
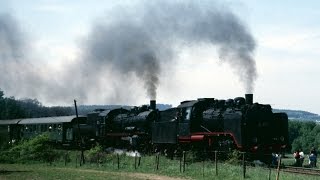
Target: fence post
pixel 158 160
pixel 216 162
pixel 98 158
pixel 135 161
pixel 269 173
pixel 184 161
pixel 180 163
pixel 118 161
pixel 65 158
pixel 278 169
pixel 76 160
pixel 139 160
pixel 82 160
pixel 244 165
pixel 203 167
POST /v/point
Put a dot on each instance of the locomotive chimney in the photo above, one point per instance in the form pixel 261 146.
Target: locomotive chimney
pixel 249 99
pixel 153 104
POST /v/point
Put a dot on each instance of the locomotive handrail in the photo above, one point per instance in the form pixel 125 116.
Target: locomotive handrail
pixel 206 129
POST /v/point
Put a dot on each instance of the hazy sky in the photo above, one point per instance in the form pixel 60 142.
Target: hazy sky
pixel 287 53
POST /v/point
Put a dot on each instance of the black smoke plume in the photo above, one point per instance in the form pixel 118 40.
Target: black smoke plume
pixel 132 43
pixel 139 40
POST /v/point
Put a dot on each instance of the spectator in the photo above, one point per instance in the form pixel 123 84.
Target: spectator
pixel 313 157
pixel 312 160
pixel 275 159
pixel 296 156
pixel 301 157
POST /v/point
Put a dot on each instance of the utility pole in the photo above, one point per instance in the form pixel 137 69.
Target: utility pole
pixel 79 135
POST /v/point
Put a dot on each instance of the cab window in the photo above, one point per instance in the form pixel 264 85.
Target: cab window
pixel 186 114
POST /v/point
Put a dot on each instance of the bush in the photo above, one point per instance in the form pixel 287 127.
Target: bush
pixel 96 154
pixel 234 157
pixel 36 149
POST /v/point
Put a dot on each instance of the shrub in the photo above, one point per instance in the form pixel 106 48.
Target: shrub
pixel 234 157
pixel 96 154
pixel 36 149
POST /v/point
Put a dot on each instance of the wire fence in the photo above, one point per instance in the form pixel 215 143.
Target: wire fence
pixel 204 163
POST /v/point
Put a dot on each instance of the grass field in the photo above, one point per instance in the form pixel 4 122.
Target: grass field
pixel 168 169
pixel 41 171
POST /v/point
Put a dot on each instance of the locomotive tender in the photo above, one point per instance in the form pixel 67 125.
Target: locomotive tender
pixel 202 124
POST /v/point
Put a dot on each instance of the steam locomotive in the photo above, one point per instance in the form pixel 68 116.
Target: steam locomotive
pixel 222 125
pixel 202 124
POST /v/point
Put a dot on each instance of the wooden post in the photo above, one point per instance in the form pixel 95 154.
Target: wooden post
pixel 269 173
pixel 278 169
pixel 139 160
pixel 155 162
pixel 203 167
pixel 135 161
pixel 180 163
pixel 158 160
pixel 65 158
pixel 118 160
pixel 80 139
pixel 82 155
pixel 98 158
pixel 76 160
pixel 244 165
pixel 216 162
pixel 184 161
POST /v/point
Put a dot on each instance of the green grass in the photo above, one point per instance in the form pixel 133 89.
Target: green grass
pixel 41 171
pixel 108 169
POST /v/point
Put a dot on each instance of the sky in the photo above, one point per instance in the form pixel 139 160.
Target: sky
pixel 286 53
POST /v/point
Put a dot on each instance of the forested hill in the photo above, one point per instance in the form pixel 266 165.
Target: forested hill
pixel 299 115
pixel 11 108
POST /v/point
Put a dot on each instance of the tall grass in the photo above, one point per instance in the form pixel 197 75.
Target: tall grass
pixel 96 160
pixel 194 169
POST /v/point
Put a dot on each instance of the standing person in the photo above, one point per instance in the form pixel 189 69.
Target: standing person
pixel 296 156
pixel 313 156
pixel 301 157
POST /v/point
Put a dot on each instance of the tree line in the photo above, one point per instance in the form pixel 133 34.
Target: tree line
pixel 11 108
pixel 304 135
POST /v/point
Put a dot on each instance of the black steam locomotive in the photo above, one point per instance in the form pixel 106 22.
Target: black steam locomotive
pixel 222 125
pixel 203 124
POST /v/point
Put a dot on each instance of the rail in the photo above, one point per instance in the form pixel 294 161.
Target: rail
pixel 301 170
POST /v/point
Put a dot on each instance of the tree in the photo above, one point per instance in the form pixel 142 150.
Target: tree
pixel 304 135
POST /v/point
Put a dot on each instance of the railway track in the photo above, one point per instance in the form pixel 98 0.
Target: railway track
pixel 301 170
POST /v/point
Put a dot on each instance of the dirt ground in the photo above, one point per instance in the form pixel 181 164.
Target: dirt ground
pixel 128 175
